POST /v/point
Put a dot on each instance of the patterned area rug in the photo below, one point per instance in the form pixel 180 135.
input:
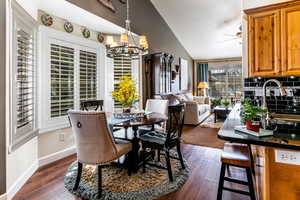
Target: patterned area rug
pixel 116 183
pixel 209 122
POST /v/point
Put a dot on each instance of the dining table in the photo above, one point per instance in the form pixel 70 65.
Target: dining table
pixel 149 119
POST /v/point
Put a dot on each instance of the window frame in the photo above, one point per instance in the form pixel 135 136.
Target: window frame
pixel 46 37
pixel 21 19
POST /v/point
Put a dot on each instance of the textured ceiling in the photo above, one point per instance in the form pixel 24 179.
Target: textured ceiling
pixel 204 26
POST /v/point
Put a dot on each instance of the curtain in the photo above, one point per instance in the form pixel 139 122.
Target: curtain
pixel 202 72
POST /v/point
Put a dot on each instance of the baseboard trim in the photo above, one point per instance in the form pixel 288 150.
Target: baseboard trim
pixel 3 197
pixel 12 191
pixel 56 156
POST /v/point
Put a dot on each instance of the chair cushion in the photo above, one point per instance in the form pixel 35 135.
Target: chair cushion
pixel 154 137
pixel 236 154
pixel 123 146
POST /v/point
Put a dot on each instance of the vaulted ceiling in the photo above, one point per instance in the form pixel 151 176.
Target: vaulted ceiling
pixel 206 28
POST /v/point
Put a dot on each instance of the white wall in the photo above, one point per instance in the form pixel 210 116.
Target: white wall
pixel 247 4
pixel 258 3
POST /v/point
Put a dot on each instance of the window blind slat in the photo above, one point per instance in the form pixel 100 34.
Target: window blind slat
pixel 122 67
pixel 62 79
pixel 88 75
pixel 24 79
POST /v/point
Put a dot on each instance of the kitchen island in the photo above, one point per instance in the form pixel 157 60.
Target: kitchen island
pixel 275 159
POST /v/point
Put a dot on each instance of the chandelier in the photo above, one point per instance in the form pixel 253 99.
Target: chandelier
pixel 127 46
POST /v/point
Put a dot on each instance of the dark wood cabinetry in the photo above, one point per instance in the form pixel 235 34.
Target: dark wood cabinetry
pixel 158 74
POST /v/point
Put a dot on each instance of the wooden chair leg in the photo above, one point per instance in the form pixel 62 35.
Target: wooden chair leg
pixel 180 155
pixel 169 165
pixel 144 159
pixel 221 182
pixel 79 172
pixel 129 163
pixel 250 182
pixel 158 155
pixel 99 181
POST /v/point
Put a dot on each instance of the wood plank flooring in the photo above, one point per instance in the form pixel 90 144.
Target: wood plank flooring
pixel 47 183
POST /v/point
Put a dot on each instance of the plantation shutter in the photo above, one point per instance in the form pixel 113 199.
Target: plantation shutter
pixel 88 75
pixel 62 79
pixel 25 80
pixel 122 67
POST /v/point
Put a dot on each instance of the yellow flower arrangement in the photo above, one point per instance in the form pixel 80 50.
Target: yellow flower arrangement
pixel 127 92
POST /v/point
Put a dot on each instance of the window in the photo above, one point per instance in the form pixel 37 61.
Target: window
pixel 69 74
pixel 122 67
pixel 62 80
pixel 225 79
pixel 23 78
pixel 88 75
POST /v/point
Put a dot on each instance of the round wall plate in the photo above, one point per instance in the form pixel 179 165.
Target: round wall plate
pixel 86 33
pixel 68 27
pixel 47 20
pixel 100 37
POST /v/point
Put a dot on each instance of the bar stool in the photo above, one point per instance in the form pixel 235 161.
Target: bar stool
pixel 236 155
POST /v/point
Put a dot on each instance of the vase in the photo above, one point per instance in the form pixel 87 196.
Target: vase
pixel 252 125
pixel 126 109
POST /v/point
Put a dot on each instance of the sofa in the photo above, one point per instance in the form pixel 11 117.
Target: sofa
pixel 197 107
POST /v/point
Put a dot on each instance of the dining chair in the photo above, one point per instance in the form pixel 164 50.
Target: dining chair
pixel 95 144
pixel 156 106
pixel 165 141
pixel 92 105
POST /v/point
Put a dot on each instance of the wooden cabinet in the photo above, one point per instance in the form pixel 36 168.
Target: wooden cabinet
pixel 158 74
pixel 274 40
pixel 290 18
pixel 264 43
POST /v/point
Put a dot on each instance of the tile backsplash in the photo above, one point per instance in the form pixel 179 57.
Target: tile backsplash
pixel 289 104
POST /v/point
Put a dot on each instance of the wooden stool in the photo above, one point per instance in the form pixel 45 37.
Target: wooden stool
pixel 236 155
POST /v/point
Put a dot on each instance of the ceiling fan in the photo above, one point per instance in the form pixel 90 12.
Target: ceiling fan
pixel 237 36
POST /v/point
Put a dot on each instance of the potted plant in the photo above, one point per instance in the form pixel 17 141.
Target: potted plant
pixel 251 115
pixel 126 93
pixel 226 103
pixel 216 102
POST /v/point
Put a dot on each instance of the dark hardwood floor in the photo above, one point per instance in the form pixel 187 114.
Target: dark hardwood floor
pixel 47 182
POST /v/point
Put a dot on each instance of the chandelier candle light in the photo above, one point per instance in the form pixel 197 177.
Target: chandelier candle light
pixel 128 46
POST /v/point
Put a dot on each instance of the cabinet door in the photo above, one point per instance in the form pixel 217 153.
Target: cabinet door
pixel 264 43
pixel 290 18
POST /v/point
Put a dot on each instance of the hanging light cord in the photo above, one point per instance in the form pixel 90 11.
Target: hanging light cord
pixel 128 28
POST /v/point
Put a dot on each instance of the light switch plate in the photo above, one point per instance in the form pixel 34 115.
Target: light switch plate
pixel 287 157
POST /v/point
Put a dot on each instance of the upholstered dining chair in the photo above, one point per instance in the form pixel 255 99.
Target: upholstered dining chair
pixel 156 106
pixel 165 141
pixel 95 144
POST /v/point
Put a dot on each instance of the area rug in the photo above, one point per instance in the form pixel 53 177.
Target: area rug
pixel 199 136
pixel 209 122
pixel 116 183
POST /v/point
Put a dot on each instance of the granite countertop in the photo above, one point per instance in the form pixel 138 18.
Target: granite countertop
pixel 278 140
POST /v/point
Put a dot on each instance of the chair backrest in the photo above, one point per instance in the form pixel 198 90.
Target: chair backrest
pixel 175 122
pixel 94 141
pixel 157 105
pixel 94 104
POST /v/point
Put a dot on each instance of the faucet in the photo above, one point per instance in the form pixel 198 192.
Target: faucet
pixel 267 116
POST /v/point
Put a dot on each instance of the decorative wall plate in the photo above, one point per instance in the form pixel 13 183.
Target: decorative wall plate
pixel 47 20
pixel 86 33
pixel 100 37
pixel 68 27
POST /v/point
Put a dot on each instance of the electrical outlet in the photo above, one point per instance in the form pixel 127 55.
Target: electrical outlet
pixel 62 137
pixel 287 157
